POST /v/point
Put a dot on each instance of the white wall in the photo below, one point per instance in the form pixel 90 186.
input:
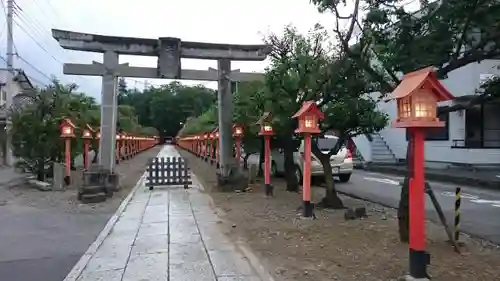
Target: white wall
pixel 16 86
pixel 460 82
pixel 363 145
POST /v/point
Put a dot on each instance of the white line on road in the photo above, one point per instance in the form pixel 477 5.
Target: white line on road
pixel 472 198
pixel 463 195
pixel 483 201
pixel 388 181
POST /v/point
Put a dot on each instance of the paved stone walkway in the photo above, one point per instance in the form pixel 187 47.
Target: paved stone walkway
pixel 166 234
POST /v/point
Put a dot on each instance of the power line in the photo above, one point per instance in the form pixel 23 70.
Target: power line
pixel 31 23
pixel 36 42
pixel 34 67
pixel 35 80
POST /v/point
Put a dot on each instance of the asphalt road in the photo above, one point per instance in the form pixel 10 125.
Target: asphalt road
pixel 480 207
pixel 43 245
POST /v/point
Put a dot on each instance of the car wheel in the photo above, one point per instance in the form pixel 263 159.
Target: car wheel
pixel 274 169
pixel 344 177
pixel 298 175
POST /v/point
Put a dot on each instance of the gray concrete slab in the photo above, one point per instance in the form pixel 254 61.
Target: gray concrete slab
pixel 199 271
pixel 150 244
pixel 151 267
pixel 108 275
pixel 168 234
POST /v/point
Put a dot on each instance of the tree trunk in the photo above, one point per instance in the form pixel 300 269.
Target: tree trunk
pixel 261 158
pixel 403 208
pixel 288 149
pixel 245 161
pixel 40 170
pixel 96 156
pixel 73 167
pixel 331 199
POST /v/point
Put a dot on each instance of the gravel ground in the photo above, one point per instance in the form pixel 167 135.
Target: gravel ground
pixel 331 248
pixel 65 200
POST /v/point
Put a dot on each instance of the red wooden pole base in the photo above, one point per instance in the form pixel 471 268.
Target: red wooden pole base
pixel 419 259
pixel 267 165
pixel 306 180
pixel 67 156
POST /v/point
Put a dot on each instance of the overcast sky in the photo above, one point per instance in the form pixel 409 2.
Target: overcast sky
pixel 219 21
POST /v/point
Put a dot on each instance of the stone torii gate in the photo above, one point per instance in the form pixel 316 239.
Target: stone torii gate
pixel 169 52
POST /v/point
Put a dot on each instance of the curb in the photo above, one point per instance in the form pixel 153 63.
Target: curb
pixel 443 178
pixel 84 260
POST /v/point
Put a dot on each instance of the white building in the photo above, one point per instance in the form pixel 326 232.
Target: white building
pixel 21 85
pixel 471 137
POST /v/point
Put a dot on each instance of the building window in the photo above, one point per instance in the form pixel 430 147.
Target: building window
pixel 438 134
pixel 4 95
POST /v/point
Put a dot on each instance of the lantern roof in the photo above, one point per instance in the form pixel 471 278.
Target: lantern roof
pixel 425 78
pixel 266 117
pixel 88 127
pixel 67 121
pixel 309 107
pixel 216 129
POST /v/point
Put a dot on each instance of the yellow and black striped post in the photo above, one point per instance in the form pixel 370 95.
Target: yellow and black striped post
pixel 458 201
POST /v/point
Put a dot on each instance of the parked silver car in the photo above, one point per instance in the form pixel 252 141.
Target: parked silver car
pixel 342 165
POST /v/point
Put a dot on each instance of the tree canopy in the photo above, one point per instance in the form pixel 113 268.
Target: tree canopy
pixel 386 38
pixel 166 107
pixel 35 125
pixel 303 67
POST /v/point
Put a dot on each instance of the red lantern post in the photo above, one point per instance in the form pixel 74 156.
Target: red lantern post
pixel 212 138
pixel 87 138
pixel 124 148
pixel 118 153
pixel 67 133
pixel 217 152
pixel 133 141
pixel 417 96
pixel 198 146
pixel 206 137
pixel 266 130
pixel 309 116
pixel 238 135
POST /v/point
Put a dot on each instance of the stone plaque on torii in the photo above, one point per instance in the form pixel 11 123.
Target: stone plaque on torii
pixel 169 52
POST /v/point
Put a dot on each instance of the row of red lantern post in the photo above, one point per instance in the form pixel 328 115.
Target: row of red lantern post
pixel 308 116
pixel 206 145
pixel 127 145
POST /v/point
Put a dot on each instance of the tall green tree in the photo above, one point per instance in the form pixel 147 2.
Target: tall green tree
pixel 166 107
pixel 385 39
pixel 310 67
pixel 35 127
pixel 295 75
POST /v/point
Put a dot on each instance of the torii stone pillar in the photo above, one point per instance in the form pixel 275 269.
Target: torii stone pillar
pixel 109 111
pixel 225 105
pixel 169 52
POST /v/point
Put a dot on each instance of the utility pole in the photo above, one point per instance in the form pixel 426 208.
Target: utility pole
pixel 9 80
